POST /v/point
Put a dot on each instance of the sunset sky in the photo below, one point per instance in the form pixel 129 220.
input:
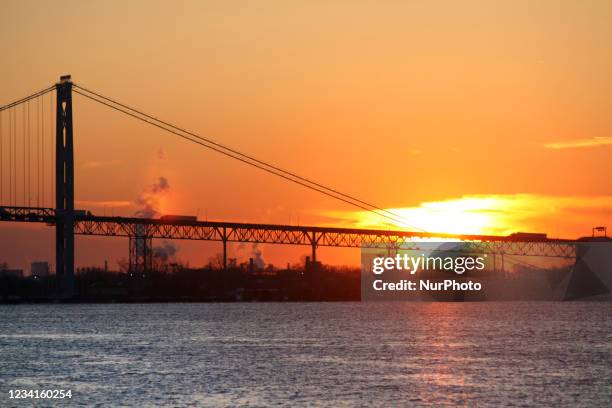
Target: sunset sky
pixel 462 116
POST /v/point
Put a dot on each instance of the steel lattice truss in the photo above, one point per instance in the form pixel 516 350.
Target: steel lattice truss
pixel 85 224
pixel 317 236
pixel 27 214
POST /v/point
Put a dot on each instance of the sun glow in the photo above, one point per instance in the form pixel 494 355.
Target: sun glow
pixel 492 215
pixel 463 216
pixel 459 216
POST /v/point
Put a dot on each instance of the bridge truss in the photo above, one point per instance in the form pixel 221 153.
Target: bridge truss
pixel 87 224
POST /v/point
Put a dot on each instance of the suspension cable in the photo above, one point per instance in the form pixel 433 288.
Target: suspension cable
pixel 241 157
pixel 13 152
pixel 397 217
pixel 27 98
pixel 185 134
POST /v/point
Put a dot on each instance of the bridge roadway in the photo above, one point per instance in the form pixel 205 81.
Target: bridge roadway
pixel 87 224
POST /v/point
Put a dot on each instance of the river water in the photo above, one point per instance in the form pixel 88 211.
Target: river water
pixel 314 354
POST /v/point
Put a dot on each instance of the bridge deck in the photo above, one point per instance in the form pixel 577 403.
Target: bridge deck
pixel 87 224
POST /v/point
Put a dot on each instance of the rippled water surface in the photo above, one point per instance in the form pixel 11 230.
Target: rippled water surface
pixel 316 354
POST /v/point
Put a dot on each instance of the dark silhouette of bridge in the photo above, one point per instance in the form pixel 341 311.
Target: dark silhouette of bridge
pixel 68 221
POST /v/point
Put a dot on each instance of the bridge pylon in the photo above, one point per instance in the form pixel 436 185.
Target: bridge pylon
pixel 64 189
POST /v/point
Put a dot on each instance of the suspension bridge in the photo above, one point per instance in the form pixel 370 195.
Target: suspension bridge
pixel 37 186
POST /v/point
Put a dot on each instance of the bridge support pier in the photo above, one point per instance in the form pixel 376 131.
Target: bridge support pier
pixel 224 237
pixel 224 255
pixel 64 189
pixel 313 244
pixel 314 253
pixel 141 251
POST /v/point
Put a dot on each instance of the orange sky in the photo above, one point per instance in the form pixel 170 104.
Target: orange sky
pixel 470 116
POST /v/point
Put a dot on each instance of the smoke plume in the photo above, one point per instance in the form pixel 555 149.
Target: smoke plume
pixel 149 199
pixel 165 251
pixel 255 252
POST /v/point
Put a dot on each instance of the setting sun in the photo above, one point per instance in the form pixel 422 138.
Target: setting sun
pixel 491 215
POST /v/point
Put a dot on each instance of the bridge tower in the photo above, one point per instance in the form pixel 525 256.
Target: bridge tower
pixel 64 188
